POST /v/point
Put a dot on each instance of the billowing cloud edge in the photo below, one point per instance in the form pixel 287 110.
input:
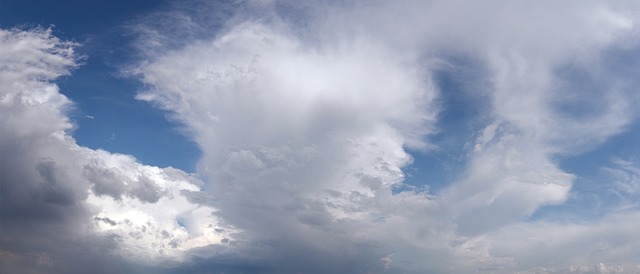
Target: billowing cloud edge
pixel 60 200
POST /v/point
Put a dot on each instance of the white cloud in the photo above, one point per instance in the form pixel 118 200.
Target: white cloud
pixel 71 205
pixel 303 115
pixel 619 184
pixel 152 217
pixel 295 139
pixel 304 122
pixel 626 175
pixel 606 246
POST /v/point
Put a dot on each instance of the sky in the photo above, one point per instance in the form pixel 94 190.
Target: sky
pixel 278 136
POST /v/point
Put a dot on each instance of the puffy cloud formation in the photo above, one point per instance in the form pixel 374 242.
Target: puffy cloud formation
pixel 69 209
pixel 301 144
pixel 304 114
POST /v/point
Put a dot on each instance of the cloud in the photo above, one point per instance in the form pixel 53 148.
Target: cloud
pixel 626 175
pixel 605 246
pixel 621 192
pixel 70 209
pixel 298 140
pixel 304 115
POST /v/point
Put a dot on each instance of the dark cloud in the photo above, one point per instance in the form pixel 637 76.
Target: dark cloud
pixel 105 182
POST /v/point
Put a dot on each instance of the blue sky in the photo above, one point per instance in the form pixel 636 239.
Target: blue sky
pixel 120 123
pixel 327 137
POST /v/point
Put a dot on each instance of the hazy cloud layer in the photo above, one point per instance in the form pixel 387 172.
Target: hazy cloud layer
pixel 304 114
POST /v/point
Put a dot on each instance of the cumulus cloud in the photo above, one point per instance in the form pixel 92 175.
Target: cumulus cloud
pixel 70 209
pixel 295 138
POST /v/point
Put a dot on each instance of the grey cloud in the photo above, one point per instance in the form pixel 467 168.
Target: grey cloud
pixel 42 213
pixel 51 189
pixel 351 83
pixel 105 181
pixel 144 189
pixel 60 202
pixel 106 220
pixel 109 181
